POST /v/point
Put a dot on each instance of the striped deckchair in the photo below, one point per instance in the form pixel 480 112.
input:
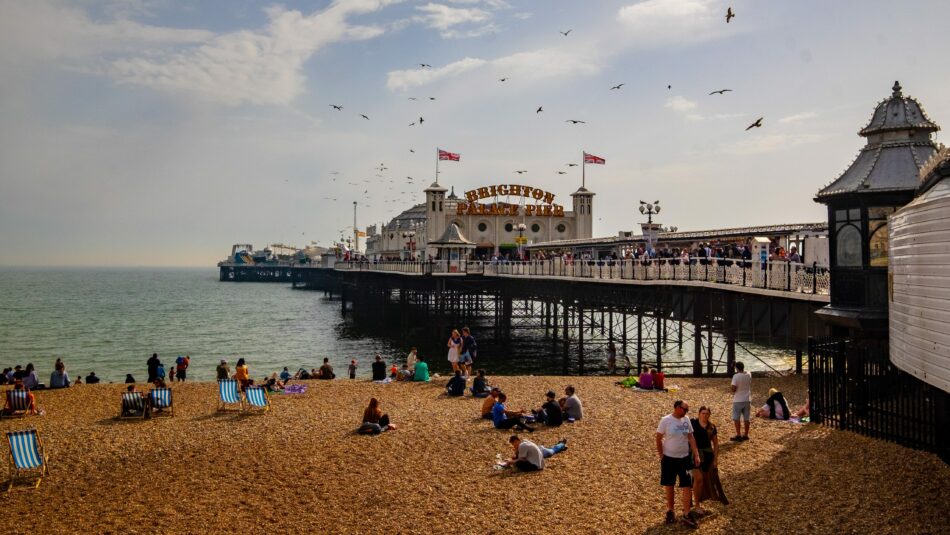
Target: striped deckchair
pixel 229 395
pixel 19 403
pixel 161 398
pixel 133 405
pixel 26 455
pixel 257 398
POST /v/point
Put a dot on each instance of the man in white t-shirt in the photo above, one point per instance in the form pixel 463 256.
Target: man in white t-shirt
pixel 741 400
pixel 674 442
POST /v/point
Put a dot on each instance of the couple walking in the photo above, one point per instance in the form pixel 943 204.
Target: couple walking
pixel 462 351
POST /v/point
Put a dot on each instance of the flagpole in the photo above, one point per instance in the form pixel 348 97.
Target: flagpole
pixel 583 169
pixel 437 165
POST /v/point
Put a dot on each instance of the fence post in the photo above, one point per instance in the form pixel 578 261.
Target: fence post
pixel 788 276
pixel 814 277
pixel 798 361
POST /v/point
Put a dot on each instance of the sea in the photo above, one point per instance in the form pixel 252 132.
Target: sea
pixel 110 321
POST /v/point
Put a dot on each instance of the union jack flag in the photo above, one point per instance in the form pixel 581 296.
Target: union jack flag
pixel 590 158
pixel 451 156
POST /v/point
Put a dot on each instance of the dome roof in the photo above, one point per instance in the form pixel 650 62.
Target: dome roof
pixel 898 113
pixel 453 236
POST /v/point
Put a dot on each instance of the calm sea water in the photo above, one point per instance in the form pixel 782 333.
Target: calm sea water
pixel 110 320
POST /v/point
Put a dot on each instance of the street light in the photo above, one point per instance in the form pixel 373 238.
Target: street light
pixel 409 234
pixel 650 210
pixel 521 228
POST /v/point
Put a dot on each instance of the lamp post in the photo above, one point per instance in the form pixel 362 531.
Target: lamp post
pixel 650 209
pixel 521 228
pixel 409 235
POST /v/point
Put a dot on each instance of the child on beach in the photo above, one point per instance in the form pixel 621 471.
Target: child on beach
pixel 352 369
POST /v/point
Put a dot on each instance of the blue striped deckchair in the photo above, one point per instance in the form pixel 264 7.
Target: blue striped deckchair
pixel 26 455
pixel 133 405
pixel 19 403
pixel 161 400
pixel 257 398
pixel 229 395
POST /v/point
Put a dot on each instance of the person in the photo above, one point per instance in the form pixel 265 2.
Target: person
pixel 374 421
pixel 379 369
pixel 469 351
pixel 273 384
pixel 674 440
pixel 456 385
pixel 454 344
pixel 405 374
pixel 645 381
pixel 793 256
pixel 394 372
pixel 741 400
pixel 489 403
pixel 223 371
pixel 78 381
pixel 5 376
pixel 285 375
pixel 129 380
pixel 775 408
pixel 92 379
pixel 160 372
pixel 18 385
pixel 805 410
pixel 352 369
pixel 658 378
pixel 171 373
pixel 30 380
pixel 421 372
pixel 611 358
pixel 480 385
pixel 571 405
pixel 159 383
pixel 411 358
pixel 326 371
pixel 152 364
pixel 242 374
pixel 550 412
pixel 181 367
pixel 503 418
pixel 59 378
pixel 707 443
pixel 529 457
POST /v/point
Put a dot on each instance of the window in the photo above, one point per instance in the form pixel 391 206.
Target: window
pixel 877 227
pixel 433 206
pixel 561 228
pixel 535 228
pixel 482 227
pixel 849 246
pixel 508 227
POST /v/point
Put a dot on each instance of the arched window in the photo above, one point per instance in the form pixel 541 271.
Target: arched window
pixel 848 242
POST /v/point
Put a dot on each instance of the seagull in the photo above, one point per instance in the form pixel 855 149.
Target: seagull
pixel 756 124
pixel 431 98
pixel 669 87
pixel 522 171
pixel 539 110
pixel 421 120
pixel 412 151
pixel 561 172
pixel 574 121
pixel 503 79
pixel 719 92
pixel 565 33
pixel 729 15
pixel 425 65
pixel 410 178
pixel 412 98
pixel 571 165
pixel 363 116
pixel 335 107
pixel 618 86
pixel 412 124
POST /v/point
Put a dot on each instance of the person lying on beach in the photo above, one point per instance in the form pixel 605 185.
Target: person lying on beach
pixel 571 405
pixel 273 384
pixel 456 385
pixel 302 374
pixel 489 403
pixel 503 418
pixel 326 371
pixel 480 385
pixel 8 407
pixel 374 421
pixel 379 369
pixel 421 371
pixel 529 457
pixel 775 408
pixel 550 412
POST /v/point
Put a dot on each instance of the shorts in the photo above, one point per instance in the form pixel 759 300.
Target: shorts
pixel 465 358
pixel 675 467
pixel 742 409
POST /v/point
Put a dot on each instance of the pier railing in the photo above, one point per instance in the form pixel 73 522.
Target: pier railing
pixel 776 275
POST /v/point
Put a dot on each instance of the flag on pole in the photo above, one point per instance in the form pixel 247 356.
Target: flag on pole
pixel 590 158
pixel 450 156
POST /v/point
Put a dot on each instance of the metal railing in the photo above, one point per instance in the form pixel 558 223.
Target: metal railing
pixel 776 275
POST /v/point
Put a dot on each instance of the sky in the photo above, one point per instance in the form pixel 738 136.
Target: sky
pixel 158 133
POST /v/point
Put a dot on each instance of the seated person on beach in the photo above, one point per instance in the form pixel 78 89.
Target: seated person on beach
pixel 456 385
pixel 504 418
pixel 92 379
pixel 550 412
pixel 405 374
pixel 272 384
pixel 489 403
pixel 646 380
pixel 658 379
pixel 222 371
pixel 421 373
pixel 374 421
pixel 571 405
pixel 159 383
pixel 480 385
pixel 529 457
pixel 129 380
pixel 805 410
pixel 326 371
pixel 379 369
pixel 285 375
pixel 775 408
pixel 394 372
pixel 242 374
pixel 18 385
pixel 59 378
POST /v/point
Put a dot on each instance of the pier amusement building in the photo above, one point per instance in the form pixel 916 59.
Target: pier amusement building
pixel 492 219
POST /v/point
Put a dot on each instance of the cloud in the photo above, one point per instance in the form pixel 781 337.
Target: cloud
pixel 524 15
pixel 407 79
pixel 680 104
pixel 257 67
pixel 657 22
pixel 798 117
pixel 760 144
pixel 443 17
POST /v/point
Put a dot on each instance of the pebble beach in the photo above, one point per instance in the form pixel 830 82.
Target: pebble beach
pixel 302 468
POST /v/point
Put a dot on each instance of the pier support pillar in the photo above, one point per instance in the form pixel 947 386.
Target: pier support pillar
pixel 697 350
pixel 580 338
pixel 709 352
pixel 639 343
pixel 659 342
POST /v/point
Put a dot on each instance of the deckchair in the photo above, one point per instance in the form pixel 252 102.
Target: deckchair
pixel 229 395
pixel 161 398
pixel 26 455
pixel 133 406
pixel 19 404
pixel 256 398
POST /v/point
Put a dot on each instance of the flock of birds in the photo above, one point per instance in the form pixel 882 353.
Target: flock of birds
pixel 407 197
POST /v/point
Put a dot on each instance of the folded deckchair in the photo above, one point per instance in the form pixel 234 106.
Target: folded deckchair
pixel 229 395
pixel 133 405
pixel 161 398
pixel 26 455
pixel 256 398
pixel 19 403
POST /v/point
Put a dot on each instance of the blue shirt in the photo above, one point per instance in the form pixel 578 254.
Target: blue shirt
pixel 284 375
pixel 58 379
pixel 498 414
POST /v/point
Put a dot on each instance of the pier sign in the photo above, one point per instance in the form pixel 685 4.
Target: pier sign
pixel 545 206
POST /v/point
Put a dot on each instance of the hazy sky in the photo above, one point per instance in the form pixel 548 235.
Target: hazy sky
pixel 141 132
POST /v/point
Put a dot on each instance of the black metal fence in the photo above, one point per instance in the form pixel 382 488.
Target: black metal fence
pixel 856 388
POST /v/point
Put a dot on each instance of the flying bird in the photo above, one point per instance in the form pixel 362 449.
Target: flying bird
pixel 335 107
pixel 572 165
pixel 503 79
pixel 729 15
pixel 669 87
pixel 431 98
pixel 618 86
pixel 421 120
pixel 412 98
pixel 574 121
pixel 522 171
pixel 539 110
pixel 756 124
pixel 363 116
pixel 567 32
pixel 412 124
pixel 719 92
pixel 412 151
pixel 425 65
pixel 561 172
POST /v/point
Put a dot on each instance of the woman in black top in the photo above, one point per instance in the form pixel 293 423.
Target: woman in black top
pixel 480 387
pixel 707 442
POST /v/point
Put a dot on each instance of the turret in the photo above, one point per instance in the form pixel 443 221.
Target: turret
pixel 583 212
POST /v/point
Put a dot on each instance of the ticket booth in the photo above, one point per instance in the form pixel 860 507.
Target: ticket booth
pixel 760 260
pixel 453 249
